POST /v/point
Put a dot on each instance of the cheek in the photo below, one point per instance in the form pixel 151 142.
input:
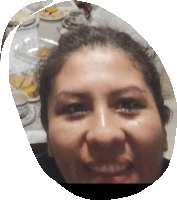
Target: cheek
pixel 65 136
pixel 145 143
pixel 146 135
pixel 66 141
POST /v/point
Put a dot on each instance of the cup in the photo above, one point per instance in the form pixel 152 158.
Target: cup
pixel 21 102
pixel 76 16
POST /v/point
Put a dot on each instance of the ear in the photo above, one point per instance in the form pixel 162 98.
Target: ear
pixel 165 143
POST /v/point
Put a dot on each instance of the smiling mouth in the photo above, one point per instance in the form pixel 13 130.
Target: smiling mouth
pixel 110 173
pixel 110 169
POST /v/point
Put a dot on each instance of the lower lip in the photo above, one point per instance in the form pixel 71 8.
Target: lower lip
pixel 123 177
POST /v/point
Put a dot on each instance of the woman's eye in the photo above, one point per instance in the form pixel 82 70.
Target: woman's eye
pixel 127 106
pixel 74 109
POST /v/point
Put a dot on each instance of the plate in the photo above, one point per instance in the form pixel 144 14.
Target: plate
pixel 30 25
pixel 30 100
pixel 52 19
pixel 30 117
pixel 27 50
pixel 30 21
pixel 34 99
pixel 24 15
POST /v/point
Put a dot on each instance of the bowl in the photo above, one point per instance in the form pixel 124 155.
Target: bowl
pixel 21 102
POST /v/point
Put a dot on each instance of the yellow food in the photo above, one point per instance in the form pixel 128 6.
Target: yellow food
pixel 52 13
pixel 16 81
pixel 31 91
pixel 44 14
pixel 51 9
pixel 28 81
pixel 57 14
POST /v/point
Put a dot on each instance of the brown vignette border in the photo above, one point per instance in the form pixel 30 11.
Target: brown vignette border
pixel 23 177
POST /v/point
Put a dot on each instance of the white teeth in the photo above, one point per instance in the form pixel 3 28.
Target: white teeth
pixel 123 168
pixel 96 169
pixel 118 168
pixel 103 169
pixel 110 168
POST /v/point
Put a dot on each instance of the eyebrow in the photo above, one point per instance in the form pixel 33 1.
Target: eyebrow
pixel 71 94
pixel 83 95
pixel 127 90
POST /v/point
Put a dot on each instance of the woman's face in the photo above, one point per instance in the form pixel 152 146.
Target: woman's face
pixel 104 126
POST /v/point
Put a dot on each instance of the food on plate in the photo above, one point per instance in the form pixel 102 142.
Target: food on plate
pixel 31 91
pixel 51 13
pixel 44 14
pixel 57 14
pixel 23 15
pixel 29 85
pixel 51 9
pixel 26 83
pixel 43 52
pixel 29 80
pixel 17 80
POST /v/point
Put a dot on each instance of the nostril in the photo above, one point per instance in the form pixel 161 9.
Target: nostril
pixel 106 152
pixel 106 136
pixel 105 140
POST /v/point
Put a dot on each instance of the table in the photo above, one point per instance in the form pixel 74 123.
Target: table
pixel 35 131
pixel 36 135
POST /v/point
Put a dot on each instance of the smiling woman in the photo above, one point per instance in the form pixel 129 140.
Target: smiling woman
pixel 99 92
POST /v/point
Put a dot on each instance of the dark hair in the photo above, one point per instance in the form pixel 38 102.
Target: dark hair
pixel 91 37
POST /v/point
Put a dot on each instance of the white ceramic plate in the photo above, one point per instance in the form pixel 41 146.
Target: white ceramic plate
pixel 31 21
pixel 30 25
pixel 51 19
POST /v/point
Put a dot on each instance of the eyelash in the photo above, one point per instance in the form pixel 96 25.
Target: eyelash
pixel 74 109
pixel 128 106
pixel 125 106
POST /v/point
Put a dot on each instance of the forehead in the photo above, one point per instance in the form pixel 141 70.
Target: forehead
pixel 99 68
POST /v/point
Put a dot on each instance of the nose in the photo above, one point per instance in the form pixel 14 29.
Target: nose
pixel 105 129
